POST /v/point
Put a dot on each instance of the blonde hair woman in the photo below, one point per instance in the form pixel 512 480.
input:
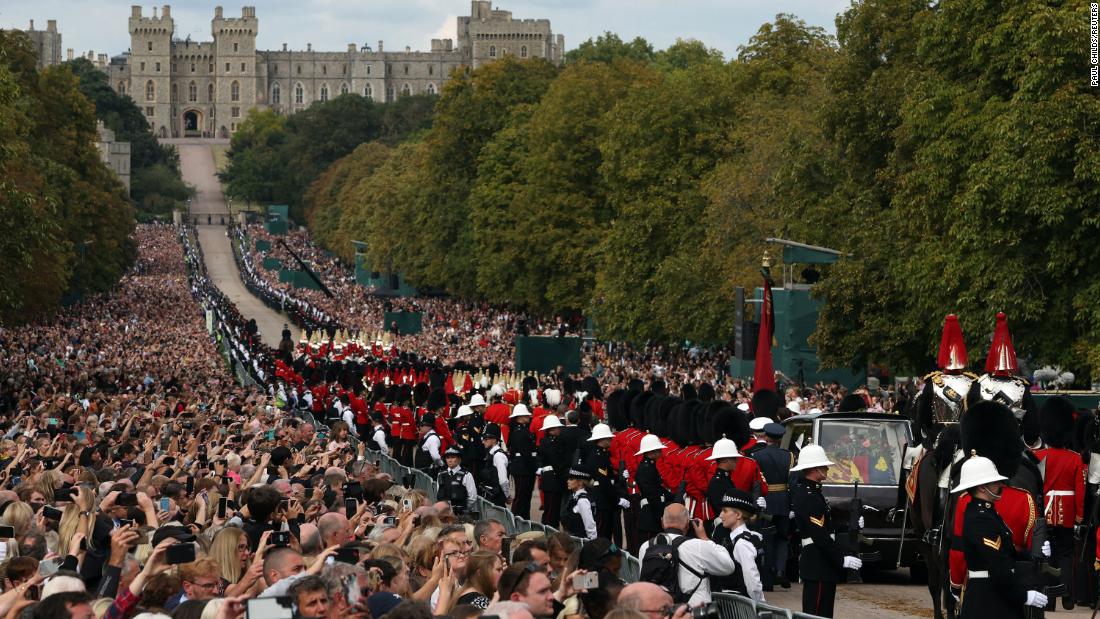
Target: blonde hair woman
pixel 78 517
pixel 230 550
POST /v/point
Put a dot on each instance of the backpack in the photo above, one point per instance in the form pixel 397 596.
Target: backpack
pixel 661 566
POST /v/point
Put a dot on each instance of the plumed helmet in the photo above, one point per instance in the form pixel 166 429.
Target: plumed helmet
pixel 952 354
pixel 851 402
pixel 990 429
pixel 688 392
pixel 766 403
pixel 706 392
pixel 1056 422
pixel 615 415
pixel 552 397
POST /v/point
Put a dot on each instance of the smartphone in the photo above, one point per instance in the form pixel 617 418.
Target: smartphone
pixel 180 553
pixel 227 479
pixel 350 507
pixel 348 555
pixel 506 549
pixel 586 582
pixel 63 494
pixel 7 532
pixel 164 505
pixel 190 484
pixel 125 521
pixel 284 505
pixel 48 567
pixel 406 505
pixel 52 513
pixel 389 520
pixel 281 607
pixel 280 538
pixel 223 503
pixel 126 499
pixel 170 461
pixel 269 435
pixel 52 421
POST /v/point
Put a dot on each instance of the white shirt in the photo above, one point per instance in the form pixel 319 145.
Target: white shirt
pixel 431 445
pixel 745 553
pixel 500 463
pixel 379 437
pixel 583 508
pixel 471 490
pixel 349 417
pixel 703 556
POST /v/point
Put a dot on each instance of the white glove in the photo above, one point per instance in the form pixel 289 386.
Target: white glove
pixel 1036 599
pixel 761 503
pixel 861 522
pixel 623 503
pixel 852 563
pixel 791 516
pixel 1046 549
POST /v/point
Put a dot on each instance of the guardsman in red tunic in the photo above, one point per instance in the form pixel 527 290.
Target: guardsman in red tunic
pixel 1063 488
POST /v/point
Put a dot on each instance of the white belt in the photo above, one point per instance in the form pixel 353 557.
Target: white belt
pixel 1054 493
pixel 806 541
pixel 978 574
pixel 544 469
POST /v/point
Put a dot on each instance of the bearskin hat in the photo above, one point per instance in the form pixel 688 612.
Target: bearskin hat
pixel 672 423
pixel 420 393
pixel 1056 422
pixel 635 384
pixel 852 402
pixel 591 386
pixel 990 429
pixel 436 400
pixel 688 392
pixel 651 411
pixel 663 416
pixel 766 403
pixel 404 394
pixel 716 421
pixel 529 383
pixel 627 410
pixel 1085 434
pixel 616 418
pixel 436 378
pixel 637 408
pixel 688 426
pixel 658 386
pixel 1029 425
pixel 734 425
pixel 706 392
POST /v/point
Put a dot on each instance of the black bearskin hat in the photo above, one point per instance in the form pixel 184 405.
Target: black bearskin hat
pixel 672 423
pixel 637 409
pixel 687 391
pixel 766 403
pixel 627 411
pixel 1029 425
pixel 1056 422
pixel 732 424
pixel 718 421
pixel 421 391
pixel 592 386
pixel 658 386
pixel 652 410
pixel 616 418
pixel 1086 431
pixel 990 429
pixel 529 383
pixel 664 414
pixel 436 378
pixel 688 426
pixel 404 394
pixel 706 392
pixel 635 384
pixel 852 402
pixel 436 400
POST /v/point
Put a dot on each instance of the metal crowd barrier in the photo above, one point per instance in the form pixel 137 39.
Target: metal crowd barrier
pixel 631 565
pixel 733 606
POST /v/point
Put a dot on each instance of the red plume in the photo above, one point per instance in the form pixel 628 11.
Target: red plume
pixel 952 355
pixel 1002 356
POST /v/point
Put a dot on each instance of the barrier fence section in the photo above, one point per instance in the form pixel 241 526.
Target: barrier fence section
pixel 631 567
pixel 733 606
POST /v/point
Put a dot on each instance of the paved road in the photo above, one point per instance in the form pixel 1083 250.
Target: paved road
pixel 197 167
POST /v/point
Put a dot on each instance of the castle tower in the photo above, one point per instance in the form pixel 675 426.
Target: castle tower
pixel 151 67
pixel 234 68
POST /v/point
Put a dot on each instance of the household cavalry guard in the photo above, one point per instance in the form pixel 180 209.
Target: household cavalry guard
pixel 493 473
pixel 456 484
pixel 992 588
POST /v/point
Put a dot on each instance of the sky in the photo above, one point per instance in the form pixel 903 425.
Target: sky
pixel 100 25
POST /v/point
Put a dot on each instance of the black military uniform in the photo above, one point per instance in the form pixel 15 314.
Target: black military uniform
pixel 522 464
pixel 822 560
pixel 553 467
pixel 654 498
pixel 454 486
pixel 468 438
pixel 992 590
pixel 606 492
pixel 720 485
pixel 775 465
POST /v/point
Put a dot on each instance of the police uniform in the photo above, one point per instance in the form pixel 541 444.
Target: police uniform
pixel 775 464
pixel 378 435
pixel 553 467
pixel 427 454
pixel 456 486
pixel 493 473
pixel 523 463
pixel 577 514
pixel 745 547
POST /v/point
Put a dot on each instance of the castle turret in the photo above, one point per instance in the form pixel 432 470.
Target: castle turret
pixel 235 68
pixel 151 67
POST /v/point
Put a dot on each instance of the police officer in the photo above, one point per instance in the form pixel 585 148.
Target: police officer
pixel 427 454
pixel 456 484
pixel 378 433
pixel 493 473
pixel 745 546
pixel 577 515
pixel 992 590
pixel 609 500
pixel 652 490
pixel 523 461
pixel 821 560
pixel 775 464
pixel 552 471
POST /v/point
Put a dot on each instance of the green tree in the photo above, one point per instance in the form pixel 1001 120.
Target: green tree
pixel 608 47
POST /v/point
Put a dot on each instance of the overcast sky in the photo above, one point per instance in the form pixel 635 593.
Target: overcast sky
pixel 330 25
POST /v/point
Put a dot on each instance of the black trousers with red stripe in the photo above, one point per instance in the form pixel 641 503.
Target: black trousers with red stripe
pixel 818 597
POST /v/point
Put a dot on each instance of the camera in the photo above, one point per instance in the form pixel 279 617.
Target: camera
pixel 706 611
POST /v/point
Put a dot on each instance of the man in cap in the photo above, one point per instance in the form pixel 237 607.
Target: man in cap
pixel 775 464
pixel 522 463
pixel 653 492
pixel 553 466
pixel 493 473
pixel 456 485
pixel 821 560
pixel 992 589
pixel 609 499
pixel 427 452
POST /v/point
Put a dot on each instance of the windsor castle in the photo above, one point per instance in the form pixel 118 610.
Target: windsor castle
pixel 188 88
